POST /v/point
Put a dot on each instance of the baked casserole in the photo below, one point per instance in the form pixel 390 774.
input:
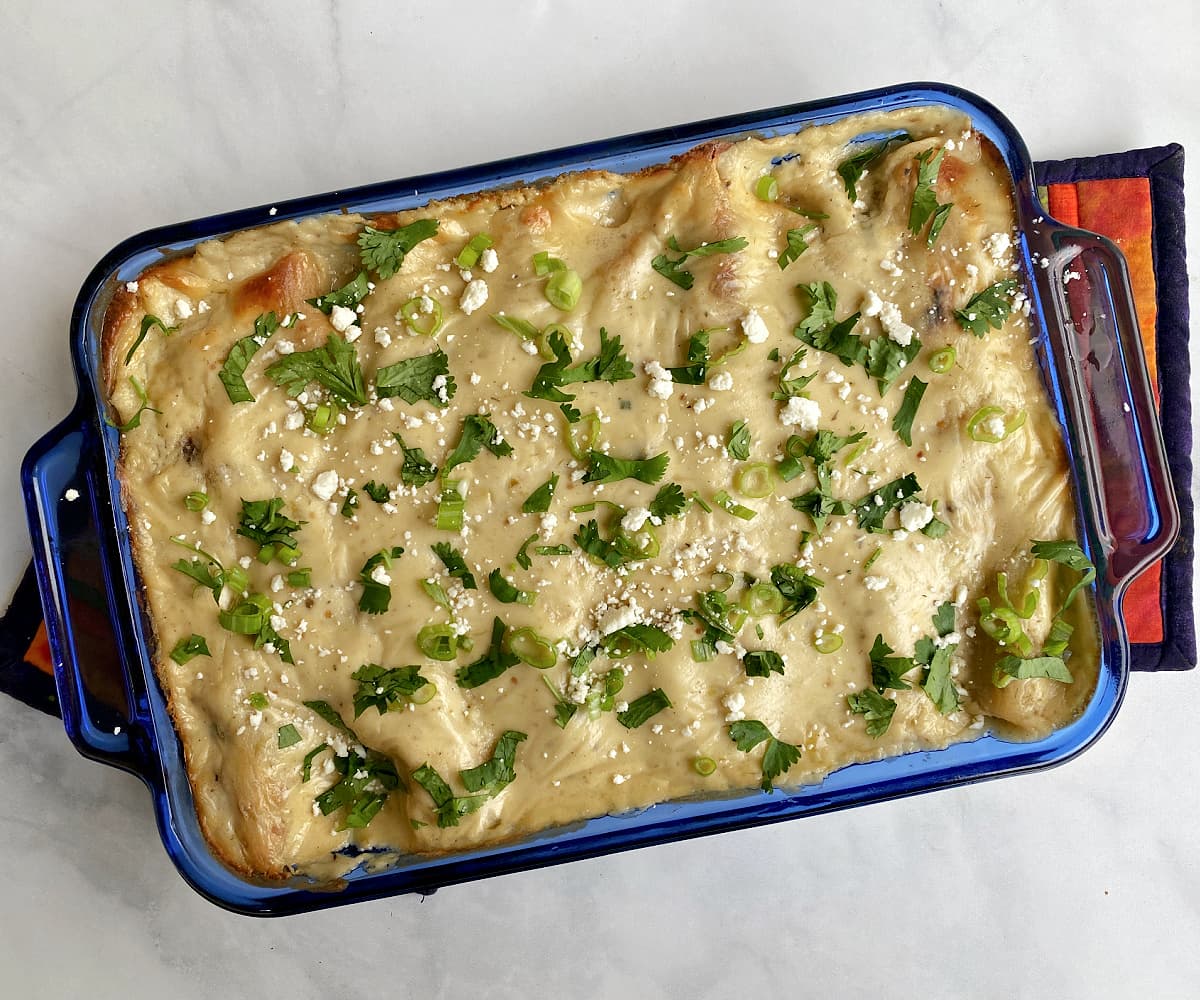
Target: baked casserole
pixel 464 523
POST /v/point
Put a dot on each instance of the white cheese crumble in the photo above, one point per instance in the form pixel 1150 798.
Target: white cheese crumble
pixel 997 245
pixel 635 519
pixel 286 459
pixel 71 495
pixel 734 703
pixel 889 318
pixel 383 336
pixel 208 517
pixel 754 328
pixel 994 426
pixel 721 382
pixel 488 260
pixel 325 485
pixel 381 576
pixel 342 318
pixel 661 383
pixel 875 582
pixel 802 413
pixel 914 515
pixel 473 296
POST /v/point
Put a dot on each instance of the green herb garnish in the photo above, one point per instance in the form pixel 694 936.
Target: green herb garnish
pixel 189 648
pixel 478 432
pixel 334 367
pixel 492 664
pixel 426 377
pixel 538 502
pixel 673 270
pixel 924 200
pixel 455 564
pixel 643 709
pixel 383 250
pixel 989 308
pixel 385 688
pixel 606 469
pixel 852 169
pixel 377 594
pixel 778 757
pixel 903 421
pixel 737 442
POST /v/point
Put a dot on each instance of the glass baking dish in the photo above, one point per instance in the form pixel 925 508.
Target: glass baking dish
pixel 1091 357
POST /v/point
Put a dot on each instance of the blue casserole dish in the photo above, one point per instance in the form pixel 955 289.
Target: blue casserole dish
pixel 114 711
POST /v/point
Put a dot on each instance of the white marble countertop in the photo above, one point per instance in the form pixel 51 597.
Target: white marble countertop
pixel 1079 882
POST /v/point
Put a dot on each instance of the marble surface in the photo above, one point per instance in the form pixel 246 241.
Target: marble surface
pixel 1079 882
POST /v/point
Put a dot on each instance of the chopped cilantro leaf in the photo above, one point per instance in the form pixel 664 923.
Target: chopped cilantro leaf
pixel 637 638
pixel 876 505
pixel 903 421
pixel 610 365
pixel 148 323
pixel 233 371
pixel 799 589
pixel 669 501
pixel 642 709
pixel 796 245
pixel 538 502
pixel 492 664
pixel 455 564
pixel 377 595
pixel 887 671
pixel 789 387
pixel 484 781
pixel 606 469
pixel 189 648
pixel 505 592
pixel 924 200
pixel 762 663
pixel 695 372
pixel 522 557
pixel 737 443
pixel 852 169
pixel 264 523
pixel 426 377
pixel 334 367
pixel 877 710
pixel 1052 667
pixel 383 688
pixel 989 308
pixel 383 250
pixel 673 270
pixel 938 683
pixel 348 296
pixel 416 470
pixel 379 492
pixel 778 757
pixel 287 736
pixel 478 432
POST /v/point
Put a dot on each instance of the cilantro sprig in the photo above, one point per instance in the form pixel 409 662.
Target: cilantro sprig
pixel 233 371
pixel 482 782
pixel 669 501
pixel 366 777
pixel 607 469
pixel 492 664
pixel 778 757
pixel 988 308
pixel 644 708
pixel 265 524
pixel 334 367
pixel 383 250
pixel 925 205
pixel 478 432
pixel 416 469
pixel 377 594
pixel 149 322
pixel 455 564
pixel 851 170
pixel 385 688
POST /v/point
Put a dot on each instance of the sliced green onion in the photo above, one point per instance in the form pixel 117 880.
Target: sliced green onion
pixel 258 701
pixel 421 320
pixel 767 188
pixel 468 256
pixel 506 593
pixel 731 506
pixel 237 580
pixel 544 264
pixel 300 577
pixel 322 418
pixel 245 619
pixel 583 435
pixel 438 642
pixel 642 544
pixel 529 647
pixel 196 501
pixel 828 642
pixel 424 694
pixel 941 361
pixel 857 450
pixel 702 650
pixel 563 289
pixel 704 766
pixel 978 430
pixel 754 480
pixel 872 557
pixel 543 339
pixel 763 598
pixel 721 582
pixel 451 505
pixel 701 503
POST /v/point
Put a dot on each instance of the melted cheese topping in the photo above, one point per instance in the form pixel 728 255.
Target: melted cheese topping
pixel 258 814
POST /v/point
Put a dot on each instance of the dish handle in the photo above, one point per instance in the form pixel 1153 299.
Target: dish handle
pixel 93 689
pixel 1111 399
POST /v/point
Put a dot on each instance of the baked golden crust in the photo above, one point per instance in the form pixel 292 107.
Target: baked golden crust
pixel 257 813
